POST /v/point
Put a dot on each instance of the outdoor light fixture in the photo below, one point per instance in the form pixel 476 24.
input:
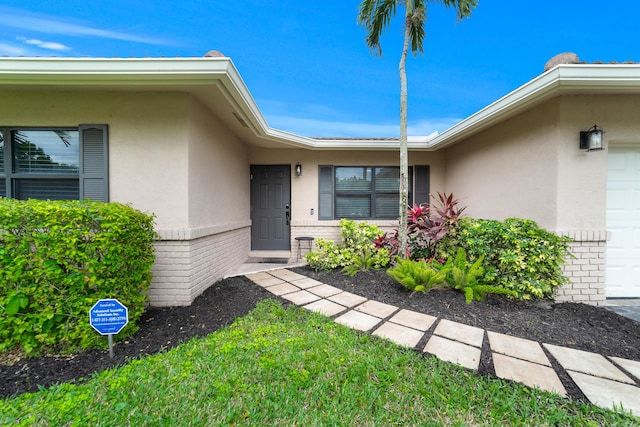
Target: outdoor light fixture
pixel 298 169
pixel 591 140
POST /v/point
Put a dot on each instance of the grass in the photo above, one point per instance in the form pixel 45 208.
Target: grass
pixel 282 366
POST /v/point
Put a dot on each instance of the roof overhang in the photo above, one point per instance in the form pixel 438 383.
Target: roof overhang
pixel 574 79
pixel 216 82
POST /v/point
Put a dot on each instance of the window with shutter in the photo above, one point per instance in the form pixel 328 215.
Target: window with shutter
pixel 366 192
pixel 54 164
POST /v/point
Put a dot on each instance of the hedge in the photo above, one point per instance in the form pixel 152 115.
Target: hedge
pixel 57 258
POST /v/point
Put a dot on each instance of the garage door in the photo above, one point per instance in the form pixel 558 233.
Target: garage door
pixel 623 220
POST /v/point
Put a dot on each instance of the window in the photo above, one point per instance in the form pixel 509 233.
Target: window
pixel 54 164
pixel 367 192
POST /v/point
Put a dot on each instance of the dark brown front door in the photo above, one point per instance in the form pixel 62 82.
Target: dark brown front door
pixel 270 207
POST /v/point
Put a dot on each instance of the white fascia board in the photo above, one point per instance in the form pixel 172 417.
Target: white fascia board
pixel 107 71
pixel 573 77
pixel 131 72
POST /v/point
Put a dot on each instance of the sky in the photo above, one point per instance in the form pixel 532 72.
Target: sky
pixel 308 67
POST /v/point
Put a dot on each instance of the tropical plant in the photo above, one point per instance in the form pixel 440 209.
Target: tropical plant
pixel 465 277
pixel 427 225
pixel 417 276
pixel 357 251
pixel 518 255
pixel 375 16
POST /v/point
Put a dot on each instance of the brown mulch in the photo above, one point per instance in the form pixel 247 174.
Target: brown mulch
pixel 577 326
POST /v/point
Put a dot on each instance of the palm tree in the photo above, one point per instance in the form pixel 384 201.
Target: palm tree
pixel 375 16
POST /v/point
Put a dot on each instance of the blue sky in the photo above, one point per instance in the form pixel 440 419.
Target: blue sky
pixel 307 64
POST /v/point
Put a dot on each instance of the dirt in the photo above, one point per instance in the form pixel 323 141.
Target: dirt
pixel 578 326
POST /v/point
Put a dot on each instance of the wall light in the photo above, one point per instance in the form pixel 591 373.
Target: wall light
pixel 298 169
pixel 591 140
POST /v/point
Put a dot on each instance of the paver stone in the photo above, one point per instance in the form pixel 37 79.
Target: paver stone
pixel 413 319
pixel 528 373
pixel 454 351
pixel 399 334
pixel 325 307
pixel 460 332
pixel 347 299
pixel 357 320
pixel 586 362
pixel 518 347
pixel 606 393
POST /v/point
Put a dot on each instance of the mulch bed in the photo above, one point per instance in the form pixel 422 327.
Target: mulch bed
pixel 571 325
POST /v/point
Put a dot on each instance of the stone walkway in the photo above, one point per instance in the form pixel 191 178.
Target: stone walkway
pixel 607 382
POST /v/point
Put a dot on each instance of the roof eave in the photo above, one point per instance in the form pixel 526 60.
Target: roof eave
pixel 564 78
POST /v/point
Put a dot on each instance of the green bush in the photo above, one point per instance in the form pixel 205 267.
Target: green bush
pixel 417 276
pixel 357 252
pixel 57 258
pixel 518 255
pixel 466 277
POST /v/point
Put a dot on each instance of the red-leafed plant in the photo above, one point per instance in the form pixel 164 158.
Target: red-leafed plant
pixel 427 224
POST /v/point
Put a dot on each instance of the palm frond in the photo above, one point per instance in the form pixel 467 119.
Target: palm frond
pixel 375 16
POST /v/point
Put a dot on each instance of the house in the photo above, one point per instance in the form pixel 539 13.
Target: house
pixel 182 138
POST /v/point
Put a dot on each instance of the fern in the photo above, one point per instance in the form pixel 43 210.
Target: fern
pixel 417 276
pixel 464 277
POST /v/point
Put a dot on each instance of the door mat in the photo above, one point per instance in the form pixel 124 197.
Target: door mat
pixel 268 260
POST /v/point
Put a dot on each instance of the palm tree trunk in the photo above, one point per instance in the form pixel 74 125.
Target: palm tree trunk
pixel 404 163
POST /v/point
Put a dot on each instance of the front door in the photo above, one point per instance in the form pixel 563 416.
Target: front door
pixel 270 207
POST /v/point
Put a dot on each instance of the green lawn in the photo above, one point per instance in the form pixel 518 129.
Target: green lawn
pixel 286 366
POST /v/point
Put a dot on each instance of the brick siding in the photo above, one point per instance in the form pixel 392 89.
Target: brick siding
pixel 587 270
pixel 186 268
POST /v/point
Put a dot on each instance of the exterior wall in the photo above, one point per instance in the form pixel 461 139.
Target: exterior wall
pixel 186 268
pixel 586 271
pixel 304 188
pixel 544 176
pixel 167 156
pixel 147 141
pixel 509 170
pixel 217 237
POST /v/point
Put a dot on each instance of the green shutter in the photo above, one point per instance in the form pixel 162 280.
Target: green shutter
pixel 325 193
pixel 422 185
pixel 94 166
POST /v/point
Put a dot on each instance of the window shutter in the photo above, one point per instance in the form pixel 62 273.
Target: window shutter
pixel 94 166
pixel 422 185
pixel 325 194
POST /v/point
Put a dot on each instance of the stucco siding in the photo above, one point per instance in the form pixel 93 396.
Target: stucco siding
pixel 147 141
pixel 218 171
pixel 304 188
pixel 582 183
pixel 509 170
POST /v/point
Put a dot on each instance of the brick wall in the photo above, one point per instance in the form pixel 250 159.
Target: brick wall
pixel 185 268
pixel 329 230
pixel 587 270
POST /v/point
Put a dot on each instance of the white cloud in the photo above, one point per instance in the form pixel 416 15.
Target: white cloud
pixel 323 121
pixel 12 50
pixel 44 45
pixel 48 24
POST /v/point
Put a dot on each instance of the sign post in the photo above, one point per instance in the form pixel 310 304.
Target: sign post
pixel 108 317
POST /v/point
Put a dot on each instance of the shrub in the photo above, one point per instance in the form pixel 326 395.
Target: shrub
pixel 427 224
pixel 518 255
pixel 357 252
pixel 417 276
pixel 57 258
pixel 466 277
